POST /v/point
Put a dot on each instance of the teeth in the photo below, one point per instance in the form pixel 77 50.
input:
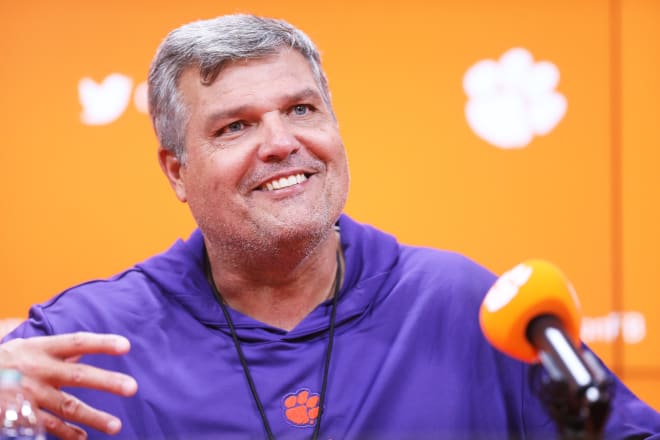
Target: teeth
pixel 284 182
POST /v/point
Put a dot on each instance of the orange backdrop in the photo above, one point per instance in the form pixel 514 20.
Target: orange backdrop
pixel 85 201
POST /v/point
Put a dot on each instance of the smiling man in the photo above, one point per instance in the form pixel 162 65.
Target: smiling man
pixel 280 317
pixel 266 178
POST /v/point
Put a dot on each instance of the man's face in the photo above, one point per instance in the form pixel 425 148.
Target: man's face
pixel 265 163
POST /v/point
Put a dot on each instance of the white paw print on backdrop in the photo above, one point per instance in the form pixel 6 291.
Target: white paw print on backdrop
pixel 104 102
pixel 513 99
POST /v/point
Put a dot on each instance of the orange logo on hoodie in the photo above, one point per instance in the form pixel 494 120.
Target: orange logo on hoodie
pixel 302 408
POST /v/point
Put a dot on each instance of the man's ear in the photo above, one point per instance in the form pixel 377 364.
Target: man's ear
pixel 172 167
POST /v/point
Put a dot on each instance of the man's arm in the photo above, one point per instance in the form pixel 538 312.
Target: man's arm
pixel 51 362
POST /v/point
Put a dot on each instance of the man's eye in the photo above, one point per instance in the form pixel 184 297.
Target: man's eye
pixel 300 109
pixel 234 126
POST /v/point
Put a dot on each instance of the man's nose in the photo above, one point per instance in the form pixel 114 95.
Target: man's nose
pixel 278 139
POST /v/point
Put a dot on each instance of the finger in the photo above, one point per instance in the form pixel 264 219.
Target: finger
pixel 60 429
pixel 64 406
pixel 60 374
pixel 70 345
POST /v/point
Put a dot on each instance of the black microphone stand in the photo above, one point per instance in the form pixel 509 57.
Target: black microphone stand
pixel 576 391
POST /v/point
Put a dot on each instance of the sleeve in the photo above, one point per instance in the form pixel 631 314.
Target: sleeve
pixel 37 324
pixel 628 418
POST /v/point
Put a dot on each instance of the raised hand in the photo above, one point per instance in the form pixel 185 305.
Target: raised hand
pixel 51 362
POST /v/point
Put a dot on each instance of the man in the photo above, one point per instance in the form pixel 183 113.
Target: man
pixel 280 317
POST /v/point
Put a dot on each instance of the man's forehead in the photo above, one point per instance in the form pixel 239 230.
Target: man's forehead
pixel 281 64
pixel 285 80
pixel 208 74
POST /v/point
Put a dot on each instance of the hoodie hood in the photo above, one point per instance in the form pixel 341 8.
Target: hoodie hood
pixel 368 253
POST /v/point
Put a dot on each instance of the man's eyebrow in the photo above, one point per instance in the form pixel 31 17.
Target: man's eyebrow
pixel 228 113
pixel 305 94
pixel 231 112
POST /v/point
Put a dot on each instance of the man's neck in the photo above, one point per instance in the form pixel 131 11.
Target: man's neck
pixel 281 291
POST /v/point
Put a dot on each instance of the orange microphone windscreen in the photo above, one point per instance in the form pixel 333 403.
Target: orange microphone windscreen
pixel 531 289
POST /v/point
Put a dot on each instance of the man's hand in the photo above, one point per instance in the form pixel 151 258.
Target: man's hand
pixel 51 362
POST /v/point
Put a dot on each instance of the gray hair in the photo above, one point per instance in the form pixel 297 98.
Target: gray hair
pixel 208 45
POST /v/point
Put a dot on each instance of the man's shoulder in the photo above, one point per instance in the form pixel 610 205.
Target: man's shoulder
pixel 101 290
pixel 93 304
pixel 380 252
pixel 448 272
pixel 151 285
pixel 441 261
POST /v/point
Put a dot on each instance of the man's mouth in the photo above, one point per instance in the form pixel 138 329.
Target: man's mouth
pixel 283 182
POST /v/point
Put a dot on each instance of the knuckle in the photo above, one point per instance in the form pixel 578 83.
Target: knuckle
pixel 78 339
pixel 76 374
pixel 15 341
pixel 5 356
pixel 51 423
pixel 69 406
pixel 30 386
pixel 30 367
pixel 9 352
pixel 21 354
pixel 60 428
pixel 78 433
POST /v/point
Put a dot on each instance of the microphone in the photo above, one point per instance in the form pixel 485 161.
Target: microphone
pixel 531 313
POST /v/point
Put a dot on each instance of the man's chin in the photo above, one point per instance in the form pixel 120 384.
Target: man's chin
pixel 300 229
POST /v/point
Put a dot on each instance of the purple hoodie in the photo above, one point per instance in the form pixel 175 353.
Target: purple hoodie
pixel 409 359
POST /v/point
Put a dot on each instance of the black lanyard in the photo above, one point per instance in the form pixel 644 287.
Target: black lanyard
pixel 331 336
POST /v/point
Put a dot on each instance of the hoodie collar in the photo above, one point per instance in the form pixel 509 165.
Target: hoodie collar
pixel 369 257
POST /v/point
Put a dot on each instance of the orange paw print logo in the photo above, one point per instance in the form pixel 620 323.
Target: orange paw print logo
pixel 302 408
